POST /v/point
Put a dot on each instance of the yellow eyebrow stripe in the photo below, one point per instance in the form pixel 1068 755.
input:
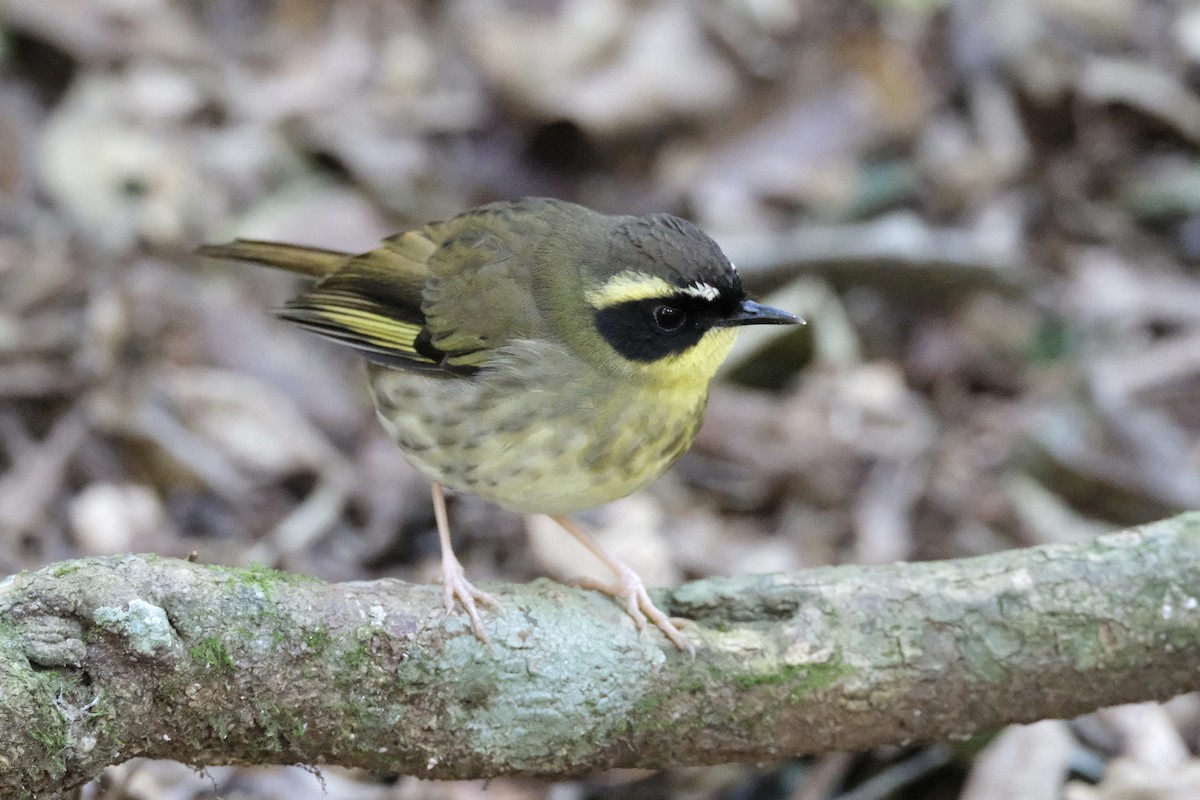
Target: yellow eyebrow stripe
pixel 627 286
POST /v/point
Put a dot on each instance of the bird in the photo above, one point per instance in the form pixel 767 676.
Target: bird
pixel 535 353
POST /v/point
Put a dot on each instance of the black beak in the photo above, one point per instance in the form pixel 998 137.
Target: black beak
pixel 751 313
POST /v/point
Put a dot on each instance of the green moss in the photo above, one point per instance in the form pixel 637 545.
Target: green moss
pixel 318 641
pixel 358 657
pixel 265 579
pixel 802 679
pixel 50 732
pixel 809 675
pixel 270 740
pixel 54 740
pixel 299 729
pixel 221 725
pixel 815 677
pixel 66 568
pixel 10 637
pixel 786 674
pixel 702 675
pixel 212 651
pixel 285 728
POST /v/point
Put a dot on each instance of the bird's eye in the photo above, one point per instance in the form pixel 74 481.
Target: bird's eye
pixel 669 318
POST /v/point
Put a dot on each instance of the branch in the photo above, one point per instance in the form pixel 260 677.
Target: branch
pixel 105 659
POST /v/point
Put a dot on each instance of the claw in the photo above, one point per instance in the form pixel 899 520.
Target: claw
pixel 456 589
pixel 628 587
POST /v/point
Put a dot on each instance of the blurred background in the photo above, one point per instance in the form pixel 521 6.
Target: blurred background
pixel 989 211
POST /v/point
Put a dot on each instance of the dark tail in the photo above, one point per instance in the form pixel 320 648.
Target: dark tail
pixel 292 258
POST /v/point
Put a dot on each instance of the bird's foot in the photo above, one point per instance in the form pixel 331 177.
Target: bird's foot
pixel 457 590
pixel 630 588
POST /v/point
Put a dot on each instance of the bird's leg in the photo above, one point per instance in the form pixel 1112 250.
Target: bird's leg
pixel 627 587
pixel 455 586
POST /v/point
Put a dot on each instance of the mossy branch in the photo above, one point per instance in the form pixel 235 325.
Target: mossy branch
pixel 105 659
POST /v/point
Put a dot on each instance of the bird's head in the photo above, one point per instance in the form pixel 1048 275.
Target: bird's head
pixel 667 303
